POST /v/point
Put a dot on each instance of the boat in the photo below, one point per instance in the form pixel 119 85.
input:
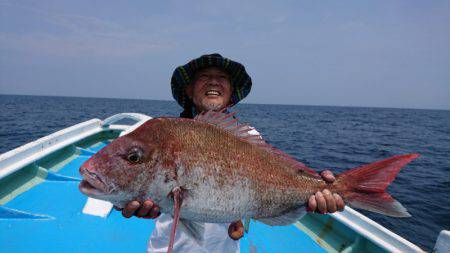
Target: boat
pixel 42 210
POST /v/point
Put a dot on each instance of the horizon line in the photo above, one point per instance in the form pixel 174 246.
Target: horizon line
pixel 352 106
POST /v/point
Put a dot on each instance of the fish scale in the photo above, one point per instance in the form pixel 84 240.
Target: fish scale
pixel 272 181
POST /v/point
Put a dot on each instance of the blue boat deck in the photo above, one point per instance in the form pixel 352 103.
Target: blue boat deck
pixel 41 211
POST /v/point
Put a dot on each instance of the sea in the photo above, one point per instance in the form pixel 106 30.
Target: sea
pixel 322 137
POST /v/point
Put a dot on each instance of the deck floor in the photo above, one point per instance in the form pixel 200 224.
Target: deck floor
pixel 55 222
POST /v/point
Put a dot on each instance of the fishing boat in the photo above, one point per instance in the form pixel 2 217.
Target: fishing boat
pixel 42 210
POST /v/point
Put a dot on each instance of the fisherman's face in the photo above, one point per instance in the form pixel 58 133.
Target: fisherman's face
pixel 211 89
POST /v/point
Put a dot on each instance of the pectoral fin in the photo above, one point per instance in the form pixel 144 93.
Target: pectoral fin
pixel 177 194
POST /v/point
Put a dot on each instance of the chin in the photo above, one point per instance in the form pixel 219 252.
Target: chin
pixel 213 107
pixel 210 106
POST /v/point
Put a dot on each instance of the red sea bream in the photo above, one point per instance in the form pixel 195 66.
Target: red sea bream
pixel 210 169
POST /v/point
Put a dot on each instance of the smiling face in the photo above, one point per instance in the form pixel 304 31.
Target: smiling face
pixel 211 89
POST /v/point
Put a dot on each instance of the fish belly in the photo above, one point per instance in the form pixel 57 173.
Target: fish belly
pixel 217 200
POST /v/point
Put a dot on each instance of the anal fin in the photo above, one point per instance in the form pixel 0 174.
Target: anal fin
pixel 285 219
pixel 247 224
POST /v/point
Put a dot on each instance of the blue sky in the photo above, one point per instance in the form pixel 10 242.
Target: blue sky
pixel 355 53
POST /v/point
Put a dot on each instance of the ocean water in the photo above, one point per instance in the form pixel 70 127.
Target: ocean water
pixel 322 137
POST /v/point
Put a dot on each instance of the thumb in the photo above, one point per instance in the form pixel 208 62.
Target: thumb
pixel 327 176
pixel 236 230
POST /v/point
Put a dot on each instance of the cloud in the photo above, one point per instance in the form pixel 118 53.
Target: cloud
pixel 80 36
pixel 79 45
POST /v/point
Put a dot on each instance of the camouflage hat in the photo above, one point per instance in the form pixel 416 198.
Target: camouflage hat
pixel 184 75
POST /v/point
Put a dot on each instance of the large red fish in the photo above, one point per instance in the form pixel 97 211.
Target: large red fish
pixel 210 169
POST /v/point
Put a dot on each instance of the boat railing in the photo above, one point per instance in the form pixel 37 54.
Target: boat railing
pixel 138 117
pixel 373 231
pixel 22 156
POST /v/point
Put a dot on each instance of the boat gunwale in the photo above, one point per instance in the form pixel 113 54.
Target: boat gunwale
pixel 28 153
pixel 375 232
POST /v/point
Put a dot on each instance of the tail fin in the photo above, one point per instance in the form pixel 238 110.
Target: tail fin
pixel 364 187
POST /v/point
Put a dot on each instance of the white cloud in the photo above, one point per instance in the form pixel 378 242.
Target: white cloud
pixel 80 36
pixel 79 45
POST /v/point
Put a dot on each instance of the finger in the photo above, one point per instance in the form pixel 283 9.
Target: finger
pixel 145 208
pixel 117 208
pixel 130 208
pixel 321 203
pixel 327 176
pixel 339 202
pixel 154 212
pixel 312 204
pixel 331 203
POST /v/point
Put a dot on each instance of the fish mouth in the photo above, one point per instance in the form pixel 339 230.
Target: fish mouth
pixel 92 184
pixel 89 190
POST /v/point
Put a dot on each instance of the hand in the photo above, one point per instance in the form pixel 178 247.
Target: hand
pixel 324 201
pixel 236 230
pixel 148 210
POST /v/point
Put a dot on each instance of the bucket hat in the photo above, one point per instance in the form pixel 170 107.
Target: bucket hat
pixel 183 75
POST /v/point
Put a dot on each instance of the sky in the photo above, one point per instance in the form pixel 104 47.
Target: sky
pixel 345 53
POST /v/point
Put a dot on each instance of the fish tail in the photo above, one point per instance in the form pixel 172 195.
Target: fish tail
pixel 364 187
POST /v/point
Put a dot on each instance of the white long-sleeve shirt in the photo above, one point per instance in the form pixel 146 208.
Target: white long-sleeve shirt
pixel 215 238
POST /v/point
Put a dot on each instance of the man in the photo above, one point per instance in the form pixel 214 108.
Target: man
pixel 212 82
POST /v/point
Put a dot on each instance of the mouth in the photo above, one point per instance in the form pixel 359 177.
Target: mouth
pixel 214 93
pixel 89 190
pixel 92 184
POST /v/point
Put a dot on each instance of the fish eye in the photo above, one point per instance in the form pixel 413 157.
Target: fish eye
pixel 135 155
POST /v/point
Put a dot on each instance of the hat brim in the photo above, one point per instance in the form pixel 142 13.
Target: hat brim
pixel 184 75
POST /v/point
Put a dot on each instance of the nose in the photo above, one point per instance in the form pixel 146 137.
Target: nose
pixel 213 81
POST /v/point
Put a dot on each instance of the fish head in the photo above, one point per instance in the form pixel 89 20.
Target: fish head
pixel 121 171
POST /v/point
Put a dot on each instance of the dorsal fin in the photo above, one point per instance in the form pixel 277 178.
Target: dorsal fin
pixel 228 122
